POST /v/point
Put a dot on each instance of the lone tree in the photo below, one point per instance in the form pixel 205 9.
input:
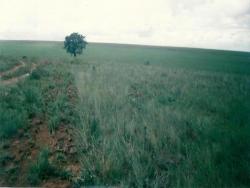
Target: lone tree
pixel 75 43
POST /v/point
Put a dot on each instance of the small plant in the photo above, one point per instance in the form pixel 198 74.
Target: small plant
pixel 38 74
pixel 54 122
pixel 61 158
pixel 41 169
pixel 32 98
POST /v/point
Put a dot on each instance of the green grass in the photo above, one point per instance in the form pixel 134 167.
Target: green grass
pixel 145 125
pixel 13 111
pixel 6 63
pixel 19 72
pixel 168 57
pixel 43 95
pixel 43 169
pixel 153 116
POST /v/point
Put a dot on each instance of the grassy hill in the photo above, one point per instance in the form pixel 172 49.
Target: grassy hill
pixel 139 116
pixel 168 57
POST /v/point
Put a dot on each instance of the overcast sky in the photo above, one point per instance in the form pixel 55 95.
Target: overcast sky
pixel 221 24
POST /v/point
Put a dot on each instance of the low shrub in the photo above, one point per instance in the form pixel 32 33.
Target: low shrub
pixel 38 74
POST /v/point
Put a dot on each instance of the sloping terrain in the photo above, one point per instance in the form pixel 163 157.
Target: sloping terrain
pixel 124 115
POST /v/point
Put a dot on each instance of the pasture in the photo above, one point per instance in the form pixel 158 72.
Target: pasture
pixel 139 116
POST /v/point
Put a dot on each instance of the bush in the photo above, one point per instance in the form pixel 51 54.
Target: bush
pixel 38 74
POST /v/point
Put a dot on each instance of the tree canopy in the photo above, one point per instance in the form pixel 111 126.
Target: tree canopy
pixel 75 43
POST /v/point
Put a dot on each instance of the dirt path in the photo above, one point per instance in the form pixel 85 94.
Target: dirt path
pixel 15 79
pixel 19 78
pixel 22 64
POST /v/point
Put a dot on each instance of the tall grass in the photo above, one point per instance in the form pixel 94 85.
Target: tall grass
pixel 149 116
pixel 144 125
pixel 43 169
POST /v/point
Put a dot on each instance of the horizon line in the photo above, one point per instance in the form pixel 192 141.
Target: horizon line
pixel 129 44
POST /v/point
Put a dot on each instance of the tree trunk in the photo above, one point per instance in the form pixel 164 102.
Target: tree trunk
pixel 74 54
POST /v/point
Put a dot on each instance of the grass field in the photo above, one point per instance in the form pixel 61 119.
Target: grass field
pixel 143 116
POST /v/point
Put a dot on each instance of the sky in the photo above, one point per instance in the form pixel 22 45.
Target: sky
pixel 217 24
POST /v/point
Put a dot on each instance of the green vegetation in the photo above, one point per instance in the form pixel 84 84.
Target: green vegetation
pixel 74 44
pixel 13 111
pixel 6 63
pixel 143 117
pixel 42 169
pixel 44 96
pixel 146 125
pixel 21 71
pixel 166 57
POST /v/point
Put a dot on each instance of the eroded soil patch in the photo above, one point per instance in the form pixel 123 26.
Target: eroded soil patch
pixel 22 151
